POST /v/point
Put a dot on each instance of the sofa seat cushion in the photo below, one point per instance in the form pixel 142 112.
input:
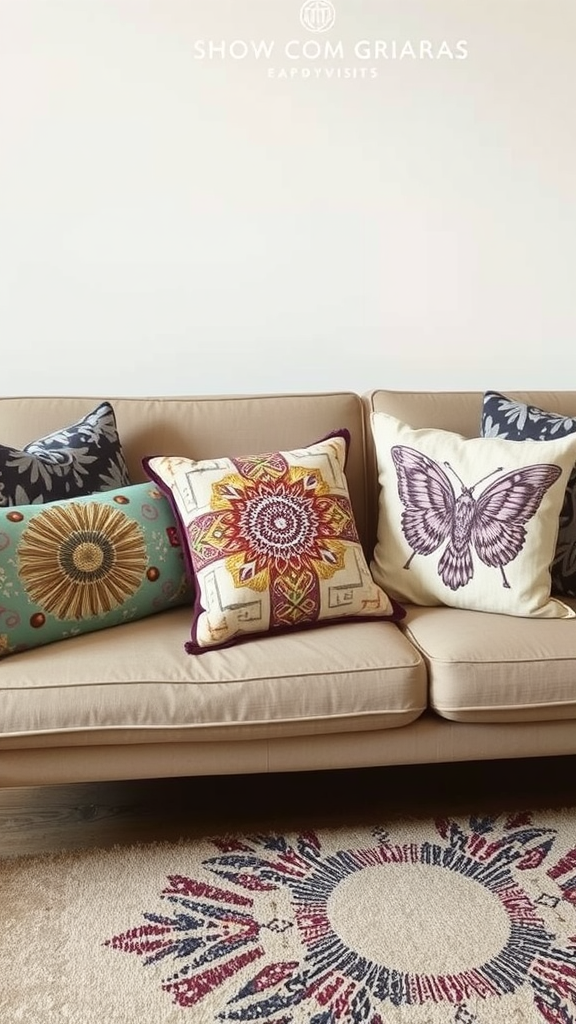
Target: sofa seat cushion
pixel 136 684
pixel 486 667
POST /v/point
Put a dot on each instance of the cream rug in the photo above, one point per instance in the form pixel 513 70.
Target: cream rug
pixel 447 921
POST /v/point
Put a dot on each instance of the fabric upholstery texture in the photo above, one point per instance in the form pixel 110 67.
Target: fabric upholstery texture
pixel 83 458
pixel 518 421
pixel 143 687
pixel 271 542
pixel 80 565
pixel 469 523
pixel 39 760
pixel 496 668
pixel 129 703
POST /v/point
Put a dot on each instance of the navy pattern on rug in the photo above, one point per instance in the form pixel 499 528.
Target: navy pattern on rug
pixel 474 923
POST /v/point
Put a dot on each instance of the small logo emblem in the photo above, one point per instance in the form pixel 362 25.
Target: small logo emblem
pixel 317 15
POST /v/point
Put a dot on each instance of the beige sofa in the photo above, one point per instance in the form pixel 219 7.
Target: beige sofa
pixel 128 702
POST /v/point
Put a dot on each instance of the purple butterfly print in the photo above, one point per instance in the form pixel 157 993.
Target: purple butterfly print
pixel 492 524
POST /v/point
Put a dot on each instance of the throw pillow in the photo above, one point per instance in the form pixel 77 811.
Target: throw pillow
pixel 516 421
pixel 80 459
pixel 271 543
pixel 470 523
pixel 75 566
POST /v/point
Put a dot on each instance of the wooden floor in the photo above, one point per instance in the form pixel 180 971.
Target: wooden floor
pixel 58 818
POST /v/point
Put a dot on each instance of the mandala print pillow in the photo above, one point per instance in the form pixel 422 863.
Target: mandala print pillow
pixel 271 543
pixel 502 417
pixel 470 523
pixel 71 567
pixel 81 459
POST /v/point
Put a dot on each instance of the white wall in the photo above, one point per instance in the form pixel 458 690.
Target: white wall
pixel 175 225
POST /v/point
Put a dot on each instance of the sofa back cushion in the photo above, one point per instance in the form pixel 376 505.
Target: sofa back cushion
pixel 208 427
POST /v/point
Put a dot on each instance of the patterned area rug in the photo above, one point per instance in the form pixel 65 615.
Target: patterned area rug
pixel 446 921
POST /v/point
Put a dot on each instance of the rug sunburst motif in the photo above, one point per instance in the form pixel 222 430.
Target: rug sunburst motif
pixel 476 925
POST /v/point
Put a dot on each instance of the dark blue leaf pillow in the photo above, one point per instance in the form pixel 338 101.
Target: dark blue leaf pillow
pixel 503 417
pixel 84 458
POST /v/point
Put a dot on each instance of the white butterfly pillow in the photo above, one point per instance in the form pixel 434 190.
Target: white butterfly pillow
pixel 470 523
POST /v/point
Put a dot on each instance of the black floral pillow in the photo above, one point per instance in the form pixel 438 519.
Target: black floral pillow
pixel 502 417
pixel 85 458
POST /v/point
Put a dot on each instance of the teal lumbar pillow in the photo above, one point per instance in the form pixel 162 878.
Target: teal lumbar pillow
pixel 82 564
